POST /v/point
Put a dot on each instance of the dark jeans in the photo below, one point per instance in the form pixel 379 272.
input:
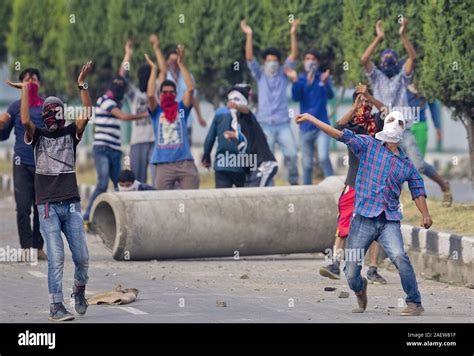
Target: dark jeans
pixel 24 183
pixel 226 179
pixel 108 163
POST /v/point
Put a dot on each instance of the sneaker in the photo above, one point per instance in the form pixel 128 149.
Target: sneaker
pixel 331 271
pixel 80 302
pixel 58 312
pixel 374 277
pixel 412 309
pixel 362 299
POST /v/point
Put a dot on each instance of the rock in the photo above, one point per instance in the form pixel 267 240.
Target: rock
pixel 153 278
pixel 390 307
pixel 285 290
pixel 470 285
pixel 244 276
pixel 329 289
pixel 221 303
pixel 343 295
pixel 449 307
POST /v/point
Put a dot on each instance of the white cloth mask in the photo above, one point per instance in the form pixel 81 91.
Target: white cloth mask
pixel 392 131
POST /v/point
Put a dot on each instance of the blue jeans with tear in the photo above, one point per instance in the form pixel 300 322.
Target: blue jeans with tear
pixel 63 217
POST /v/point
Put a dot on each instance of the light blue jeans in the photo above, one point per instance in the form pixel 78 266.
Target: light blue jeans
pixel 308 139
pixel 362 232
pixel 63 217
pixel 108 163
pixel 282 135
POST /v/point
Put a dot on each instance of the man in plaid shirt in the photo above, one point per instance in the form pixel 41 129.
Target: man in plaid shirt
pixel 383 169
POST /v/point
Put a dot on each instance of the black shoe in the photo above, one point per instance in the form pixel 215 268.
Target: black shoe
pixel 374 277
pixel 331 271
pixel 80 302
pixel 57 312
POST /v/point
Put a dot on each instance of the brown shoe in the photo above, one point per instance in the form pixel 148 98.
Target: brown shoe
pixel 361 298
pixel 412 309
pixel 42 255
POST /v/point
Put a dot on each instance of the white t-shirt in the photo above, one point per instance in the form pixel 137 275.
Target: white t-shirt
pixel 142 130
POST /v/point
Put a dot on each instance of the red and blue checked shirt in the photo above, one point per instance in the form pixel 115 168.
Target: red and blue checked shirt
pixel 381 176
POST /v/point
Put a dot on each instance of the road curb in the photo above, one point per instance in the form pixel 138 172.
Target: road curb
pixel 440 255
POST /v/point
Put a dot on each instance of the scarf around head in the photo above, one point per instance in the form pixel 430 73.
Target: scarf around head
pixel 365 119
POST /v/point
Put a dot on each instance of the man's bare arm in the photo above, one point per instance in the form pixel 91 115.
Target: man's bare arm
pixel 151 86
pixel 188 94
pixel 294 41
pixel 420 203
pixel 86 101
pixel 162 66
pixel 410 63
pixel 248 40
pixel 366 57
pixel 327 129
pixel 29 126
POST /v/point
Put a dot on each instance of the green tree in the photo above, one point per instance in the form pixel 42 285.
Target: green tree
pixel 447 72
pixel 5 16
pixel 35 40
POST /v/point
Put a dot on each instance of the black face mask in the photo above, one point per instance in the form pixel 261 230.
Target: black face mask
pixel 118 88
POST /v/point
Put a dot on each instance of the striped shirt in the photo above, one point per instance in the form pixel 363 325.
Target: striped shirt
pixel 381 176
pixel 107 126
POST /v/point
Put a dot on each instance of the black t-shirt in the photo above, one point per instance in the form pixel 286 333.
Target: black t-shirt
pixel 353 160
pixel 55 160
pixel 256 139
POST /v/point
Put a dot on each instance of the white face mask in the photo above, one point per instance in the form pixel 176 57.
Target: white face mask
pixel 238 98
pixel 271 68
pixel 392 131
pixel 310 66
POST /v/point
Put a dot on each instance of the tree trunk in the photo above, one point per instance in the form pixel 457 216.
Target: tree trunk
pixel 470 137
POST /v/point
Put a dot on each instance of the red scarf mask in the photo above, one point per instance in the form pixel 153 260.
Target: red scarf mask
pixel 33 97
pixel 363 117
pixel 169 106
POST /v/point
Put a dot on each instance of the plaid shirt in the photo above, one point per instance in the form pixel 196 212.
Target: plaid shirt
pixel 381 176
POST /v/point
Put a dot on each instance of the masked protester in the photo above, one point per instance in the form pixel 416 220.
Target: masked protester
pixel 389 82
pixel 360 120
pixel 272 81
pixel 29 234
pixel 128 183
pixel 172 155
pixel 107 150
pixel 383 169
pixel 312 89
pixel 56 192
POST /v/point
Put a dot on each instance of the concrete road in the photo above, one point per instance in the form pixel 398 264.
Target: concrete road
pixel 259 289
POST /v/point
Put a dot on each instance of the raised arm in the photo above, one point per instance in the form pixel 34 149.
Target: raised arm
pixel 151 87
pixel 327 129
pixel 363 89
pixel 294 41
pixel 366 57
pixel 188 94
pixel 410 63
pixel 125 65
pixel 82 121
pixel 347 117
pixel 29 126
pixel 155 42
pixel 248 40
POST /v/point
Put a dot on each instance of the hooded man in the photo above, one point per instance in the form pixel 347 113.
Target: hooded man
pixel 128 183
pixel 172 155
pixel 260 163
pixel 389 83
pixel 57 194
pixel 107 150
pixel 383 169
pixel 24 165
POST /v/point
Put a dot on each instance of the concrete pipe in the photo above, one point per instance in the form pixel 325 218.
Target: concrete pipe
pixel 177 224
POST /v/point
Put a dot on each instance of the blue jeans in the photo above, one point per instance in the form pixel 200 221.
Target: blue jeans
pixel 308 139
pixel 108 163
pixel 362 232
pixel 63 217
pixel 282 135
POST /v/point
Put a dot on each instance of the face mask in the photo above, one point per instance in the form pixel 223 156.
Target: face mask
pixel 131 188
pixel 389 64
pixel 169 106
pixel 33 98
pixel 53 114
pixel 392 131
pixel 271 68
pixel 118 88
pixel 310 66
